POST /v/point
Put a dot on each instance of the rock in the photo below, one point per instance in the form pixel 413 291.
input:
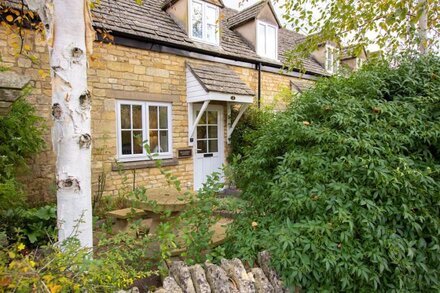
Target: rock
pixel 262 284
pixel 272 276
pixel 217 279
pixel 161 290
pixel 235 270
pixel 170 286
pixel 198 276
pixel 181 274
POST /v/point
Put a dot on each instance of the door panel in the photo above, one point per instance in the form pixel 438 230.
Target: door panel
pixel 209 144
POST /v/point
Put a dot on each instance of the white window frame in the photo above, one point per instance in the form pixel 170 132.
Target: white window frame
pixel 145 130
pixel 266 43
pixel 204 38
pixel 335 61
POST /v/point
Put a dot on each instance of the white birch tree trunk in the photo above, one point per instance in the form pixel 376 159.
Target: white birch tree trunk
pixel 423 27
pixel 69 38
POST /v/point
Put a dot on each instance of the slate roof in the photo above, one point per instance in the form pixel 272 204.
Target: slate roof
pixel 300 87
pixel 246 14
pixel 219 78
pixel 149 22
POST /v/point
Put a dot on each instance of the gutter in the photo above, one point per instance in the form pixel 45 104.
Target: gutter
pixel 258 67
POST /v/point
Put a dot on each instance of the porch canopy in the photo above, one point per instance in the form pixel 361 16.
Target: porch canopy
pixel 215 82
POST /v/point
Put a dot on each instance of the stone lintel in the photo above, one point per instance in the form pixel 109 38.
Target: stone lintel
pixel 140 96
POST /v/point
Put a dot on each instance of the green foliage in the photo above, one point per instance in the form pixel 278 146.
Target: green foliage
pixel 33 227
pixel 247 129
pixel 353 22
pixel 347 181
pixel 71 270
pixel 21 137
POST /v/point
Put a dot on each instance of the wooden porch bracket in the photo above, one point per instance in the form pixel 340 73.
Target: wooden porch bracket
pixel 231 128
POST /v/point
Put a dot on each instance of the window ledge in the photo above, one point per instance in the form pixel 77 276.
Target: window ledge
pixel 145 164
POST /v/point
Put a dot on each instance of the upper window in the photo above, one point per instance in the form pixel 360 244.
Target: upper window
pixel 267 40
pixel 331 59
pixel 204 22
pixel 142 123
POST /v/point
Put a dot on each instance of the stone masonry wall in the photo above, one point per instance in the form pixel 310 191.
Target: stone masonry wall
pixel 124 73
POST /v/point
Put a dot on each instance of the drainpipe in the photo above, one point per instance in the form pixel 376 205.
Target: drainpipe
pixel 258 65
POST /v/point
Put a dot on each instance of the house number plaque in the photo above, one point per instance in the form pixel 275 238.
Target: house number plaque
pixel 184 153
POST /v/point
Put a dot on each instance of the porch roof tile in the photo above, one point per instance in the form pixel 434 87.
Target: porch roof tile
pixel 219 78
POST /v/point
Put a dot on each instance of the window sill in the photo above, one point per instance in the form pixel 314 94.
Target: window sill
pixel 145 164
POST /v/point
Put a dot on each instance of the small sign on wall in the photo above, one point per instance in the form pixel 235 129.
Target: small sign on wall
pixel 184 153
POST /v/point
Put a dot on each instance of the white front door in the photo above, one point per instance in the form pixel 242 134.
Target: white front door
pixel 208 144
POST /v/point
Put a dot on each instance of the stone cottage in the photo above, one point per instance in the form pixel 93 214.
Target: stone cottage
pixel 171 74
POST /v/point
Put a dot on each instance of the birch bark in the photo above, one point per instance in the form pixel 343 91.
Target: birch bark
pixel 70 36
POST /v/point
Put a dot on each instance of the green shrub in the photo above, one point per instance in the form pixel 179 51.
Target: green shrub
pixel 21 137
pixel 32 226
pixel 71 269
pixel 344 187
pixel 247 129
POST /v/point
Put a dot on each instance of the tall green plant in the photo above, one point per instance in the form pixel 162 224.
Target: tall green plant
pixel 21 137
pixel 347 181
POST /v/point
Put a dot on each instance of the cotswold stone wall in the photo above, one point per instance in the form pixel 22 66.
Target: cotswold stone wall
pixel 230 277
pixel 118 72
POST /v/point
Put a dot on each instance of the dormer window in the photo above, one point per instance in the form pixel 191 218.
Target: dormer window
pixel 204 22
pixel 331 60
pixel 267 40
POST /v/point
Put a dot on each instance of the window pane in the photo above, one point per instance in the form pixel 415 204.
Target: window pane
pixel 211 21
pixel 137 142
pixel 164 141
pixel 125 117
pixel 261 45
pixel 203 119
pixel 201 132
pixel 163 117
pixel 126 142
pixel 137 116
pixel 153 117
pixel 197 20
pixel 211 15
pixel 213 146
pixel 201 146
pixel 153 141
pixel 212 131
pixel 212 117
pixel 271 42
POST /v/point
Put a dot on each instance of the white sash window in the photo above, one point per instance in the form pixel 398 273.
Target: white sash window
pixel 204 20
pixel 141 123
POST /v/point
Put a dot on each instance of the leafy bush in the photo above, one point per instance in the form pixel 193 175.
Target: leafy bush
pixel 247 129
pixel 347 181
pixel 33 226
pixel 21 137
pixel 71 270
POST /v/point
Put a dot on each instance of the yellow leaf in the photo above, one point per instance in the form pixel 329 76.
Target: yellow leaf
pixel 55 288
pixel 11 254
pixel 9 18
pixel 27 47
pixel 20 247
